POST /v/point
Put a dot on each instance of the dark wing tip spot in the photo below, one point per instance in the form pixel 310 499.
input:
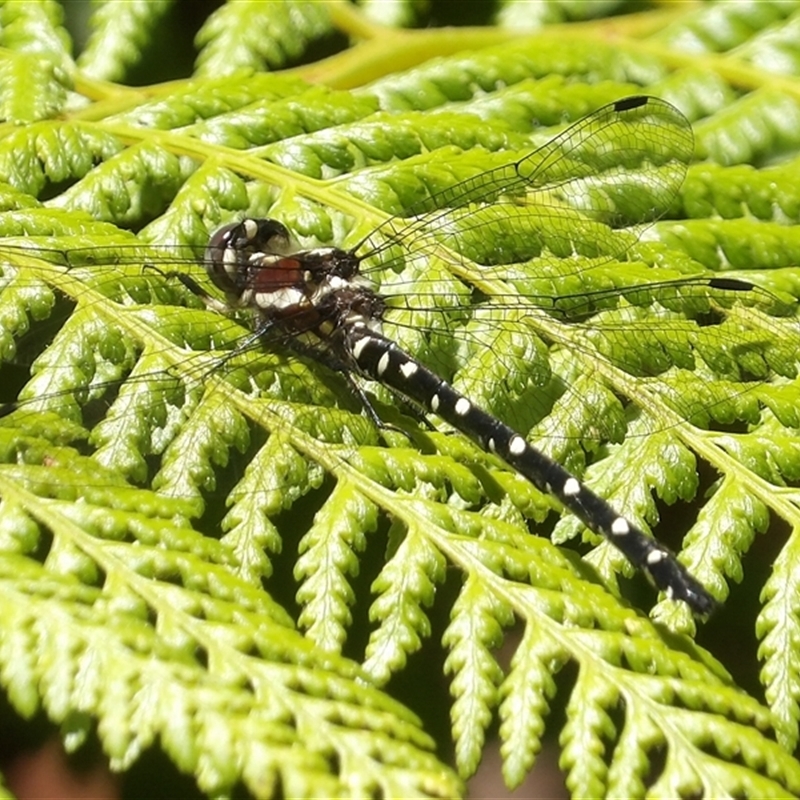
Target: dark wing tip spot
pixel 627 103
pixel 730 284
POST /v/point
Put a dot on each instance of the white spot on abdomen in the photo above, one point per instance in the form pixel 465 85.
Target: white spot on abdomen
pixel 462 406
pixel 620 527
pixel 517 445
pixel 408 368
pixel 383 364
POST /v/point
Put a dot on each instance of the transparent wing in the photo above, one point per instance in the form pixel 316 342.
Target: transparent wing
pixel 620 167
pixel 549 332
pixel 549 224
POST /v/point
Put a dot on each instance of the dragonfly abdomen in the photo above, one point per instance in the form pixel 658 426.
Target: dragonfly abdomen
pixel 383 360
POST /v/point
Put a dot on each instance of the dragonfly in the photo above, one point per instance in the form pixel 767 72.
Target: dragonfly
pixel 564 211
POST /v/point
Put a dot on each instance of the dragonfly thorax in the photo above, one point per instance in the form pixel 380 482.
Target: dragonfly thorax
pixel 317 290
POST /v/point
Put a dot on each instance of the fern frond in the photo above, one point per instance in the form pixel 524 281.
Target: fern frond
pixel 255 35
pixel 156 484
pixel 119 34
pixel 329 553
pixel 778 628
pixel 476 628
pixel 36 30
pixel 404 586
pixel 142 623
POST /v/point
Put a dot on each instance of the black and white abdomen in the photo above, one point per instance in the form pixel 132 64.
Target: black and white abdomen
pixel 383 360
